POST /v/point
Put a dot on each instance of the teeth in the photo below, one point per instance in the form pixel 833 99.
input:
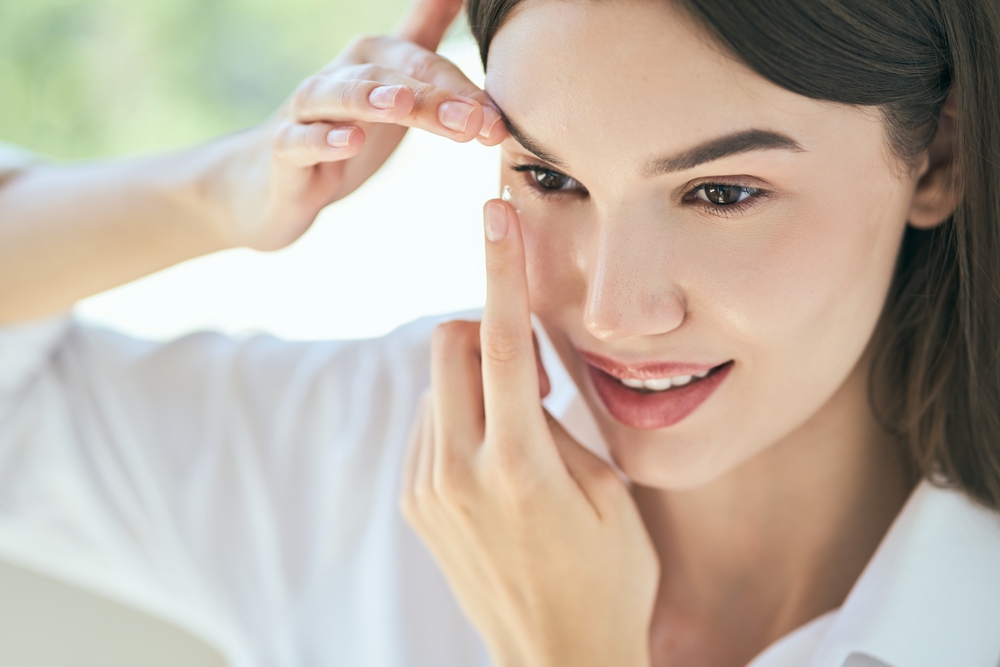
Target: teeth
pixel 661 384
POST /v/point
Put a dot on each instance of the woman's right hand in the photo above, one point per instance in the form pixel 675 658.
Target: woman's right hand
pixel 341 125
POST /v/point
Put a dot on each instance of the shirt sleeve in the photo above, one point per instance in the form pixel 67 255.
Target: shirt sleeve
pixel 232 474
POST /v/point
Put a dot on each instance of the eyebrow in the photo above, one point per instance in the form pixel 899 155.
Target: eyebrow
pixel 734 143
pixel 528 143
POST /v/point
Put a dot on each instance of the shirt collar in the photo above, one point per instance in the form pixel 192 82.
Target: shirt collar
pixel 930 595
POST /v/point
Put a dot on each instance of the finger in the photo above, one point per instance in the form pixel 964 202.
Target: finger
pixel 306 145
pixel 423 485
pixel 388 97
pixel 424 65
pixel 428 67
pixel 456 379
pixel 510 371
pixel 544 386
pixel 594 477
pixel 409 475
pixel 426 21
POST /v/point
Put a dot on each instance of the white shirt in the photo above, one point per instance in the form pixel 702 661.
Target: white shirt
pixel 246 491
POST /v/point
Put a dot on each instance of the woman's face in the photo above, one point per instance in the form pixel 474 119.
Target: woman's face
pixel 682 214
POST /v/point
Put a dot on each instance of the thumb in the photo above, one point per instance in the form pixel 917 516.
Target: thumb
pixel 426 21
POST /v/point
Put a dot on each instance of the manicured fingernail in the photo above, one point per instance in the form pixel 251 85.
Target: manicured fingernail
pixel 339 137
pixel 384 97
pixel 455 115
pixel 490 118
pixel 495 222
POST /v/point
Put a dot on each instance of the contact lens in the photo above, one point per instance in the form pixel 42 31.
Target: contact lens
pixel 508 196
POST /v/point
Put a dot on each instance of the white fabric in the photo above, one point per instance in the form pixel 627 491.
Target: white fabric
pixel 246 491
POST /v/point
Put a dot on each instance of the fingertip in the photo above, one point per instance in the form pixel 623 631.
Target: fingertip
pixel 461 117
pixel 496 221
pixel 346 138
pixel 339 137
pixel 491 117
pixel 391 98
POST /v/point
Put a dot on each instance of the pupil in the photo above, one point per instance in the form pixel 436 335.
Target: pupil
pixel 723 194
pixel 550 180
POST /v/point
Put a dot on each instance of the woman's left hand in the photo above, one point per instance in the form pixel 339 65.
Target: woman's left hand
pixel 539 539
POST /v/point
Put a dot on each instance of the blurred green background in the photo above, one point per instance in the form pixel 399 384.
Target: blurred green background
pixel 86 78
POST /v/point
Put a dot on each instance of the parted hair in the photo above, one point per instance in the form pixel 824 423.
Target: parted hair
pixel 935 379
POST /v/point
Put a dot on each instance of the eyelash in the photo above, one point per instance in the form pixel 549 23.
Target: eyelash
pixel 531 172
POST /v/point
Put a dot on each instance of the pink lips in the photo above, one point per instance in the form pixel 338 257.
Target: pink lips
pixel 649 410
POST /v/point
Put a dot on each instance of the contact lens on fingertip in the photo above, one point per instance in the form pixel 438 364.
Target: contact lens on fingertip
pixel 508 196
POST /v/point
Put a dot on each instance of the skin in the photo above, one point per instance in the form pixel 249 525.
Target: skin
pixel 746 519
pixel 764 505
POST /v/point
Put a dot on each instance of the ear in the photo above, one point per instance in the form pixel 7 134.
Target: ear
pixel 937 194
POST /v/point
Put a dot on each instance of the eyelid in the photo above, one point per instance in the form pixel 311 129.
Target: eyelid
pixel 576 187
pixel 729 210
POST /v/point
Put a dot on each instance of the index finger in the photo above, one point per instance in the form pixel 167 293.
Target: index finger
pixel 426 21
pixel 513 409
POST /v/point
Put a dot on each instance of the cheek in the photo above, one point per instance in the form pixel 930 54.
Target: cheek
pixel 798 305
pixel 554 250
pixel 818 273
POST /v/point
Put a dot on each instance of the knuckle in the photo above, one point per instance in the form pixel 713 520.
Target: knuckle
pixel 450 486
pixel 522 488
pixel 303 94
pixel 282 140
pixel 422 65
pixel 361 45
pixel 351 94
pixel 502 344
pixel 368 72
pixel 422 496
pixel 515 472
pixel 448 336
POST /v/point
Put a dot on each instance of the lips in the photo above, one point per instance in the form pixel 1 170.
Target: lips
pixel 644 409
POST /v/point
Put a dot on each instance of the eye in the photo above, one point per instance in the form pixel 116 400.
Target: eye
pixel 548 182
pixel 722 194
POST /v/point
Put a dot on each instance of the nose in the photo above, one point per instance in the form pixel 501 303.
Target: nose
pixel 631 291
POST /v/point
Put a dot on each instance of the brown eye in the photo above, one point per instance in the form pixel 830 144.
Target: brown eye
pixel 550 180
pixel 725 195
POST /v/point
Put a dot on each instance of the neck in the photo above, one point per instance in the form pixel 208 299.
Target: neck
pixel 776 542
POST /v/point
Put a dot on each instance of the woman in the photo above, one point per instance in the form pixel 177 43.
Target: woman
pixel 760 243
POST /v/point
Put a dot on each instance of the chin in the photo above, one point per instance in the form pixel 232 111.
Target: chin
pixel 663 463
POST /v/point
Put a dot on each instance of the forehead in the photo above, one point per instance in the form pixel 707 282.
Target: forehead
pixel 632 78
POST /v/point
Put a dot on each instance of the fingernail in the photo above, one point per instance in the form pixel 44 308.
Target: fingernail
pixel 495 222
pixel 455 115
pixel 339 137
pixel 490 118
pixel 384 97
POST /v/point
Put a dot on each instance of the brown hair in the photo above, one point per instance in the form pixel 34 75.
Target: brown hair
pixel 935 382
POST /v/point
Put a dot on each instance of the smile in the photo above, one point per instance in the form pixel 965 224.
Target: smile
pixel 653 395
